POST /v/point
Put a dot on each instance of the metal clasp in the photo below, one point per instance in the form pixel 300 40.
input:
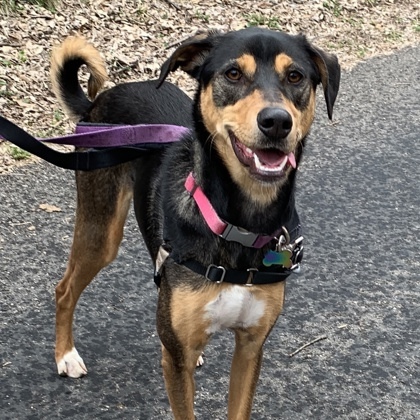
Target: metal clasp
pixel 284 241
pixel 250 279
pixel 220 268
pixel 237 234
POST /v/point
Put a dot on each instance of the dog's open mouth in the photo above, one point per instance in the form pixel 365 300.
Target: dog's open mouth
pixel 265 163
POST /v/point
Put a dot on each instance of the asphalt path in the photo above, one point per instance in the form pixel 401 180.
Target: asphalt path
pixel 359 200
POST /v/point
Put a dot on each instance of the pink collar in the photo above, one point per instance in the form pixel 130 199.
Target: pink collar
pixel 219 226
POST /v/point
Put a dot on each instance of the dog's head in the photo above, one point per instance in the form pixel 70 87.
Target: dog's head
pixel 256 98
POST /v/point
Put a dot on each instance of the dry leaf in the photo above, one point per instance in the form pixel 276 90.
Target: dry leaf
pixel 49 208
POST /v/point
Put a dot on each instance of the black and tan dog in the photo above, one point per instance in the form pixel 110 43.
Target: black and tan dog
pixel 220 201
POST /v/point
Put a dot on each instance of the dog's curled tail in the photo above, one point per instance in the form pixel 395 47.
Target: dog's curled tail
pixel 66 60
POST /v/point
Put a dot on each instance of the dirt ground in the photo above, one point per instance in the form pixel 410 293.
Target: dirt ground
pixel 135 36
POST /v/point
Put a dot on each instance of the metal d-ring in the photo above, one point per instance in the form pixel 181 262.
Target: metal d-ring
pixel 284 240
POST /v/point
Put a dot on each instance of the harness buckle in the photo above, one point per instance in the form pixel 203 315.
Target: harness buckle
pixel 250 279
pixel 237 234
pixel 218 267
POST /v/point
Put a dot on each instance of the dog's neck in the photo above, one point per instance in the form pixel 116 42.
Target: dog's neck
pixel 229 200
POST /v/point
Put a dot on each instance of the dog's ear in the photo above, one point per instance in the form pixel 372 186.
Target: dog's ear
pixel 190 55
pixel 329 71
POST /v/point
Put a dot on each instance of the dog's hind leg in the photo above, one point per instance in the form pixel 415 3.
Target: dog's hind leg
pixel 103 200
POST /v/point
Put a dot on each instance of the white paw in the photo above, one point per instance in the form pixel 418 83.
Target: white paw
pixel 71 365
pixel 200 361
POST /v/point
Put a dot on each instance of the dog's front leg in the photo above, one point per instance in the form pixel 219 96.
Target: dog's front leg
pixel 183 332
pixel 246 365
pixel 179 381
pixel 247 358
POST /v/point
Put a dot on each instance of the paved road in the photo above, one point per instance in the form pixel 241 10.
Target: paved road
pixel 359 200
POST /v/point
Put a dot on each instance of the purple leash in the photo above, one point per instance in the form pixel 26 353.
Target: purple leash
pixel 104 135
pixel 117 144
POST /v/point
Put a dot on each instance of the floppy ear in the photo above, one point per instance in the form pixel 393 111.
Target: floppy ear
pixel 329 71
pixel 189 56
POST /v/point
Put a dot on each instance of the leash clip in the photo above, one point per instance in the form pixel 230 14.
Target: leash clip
pixel 294 250
pixel 283 242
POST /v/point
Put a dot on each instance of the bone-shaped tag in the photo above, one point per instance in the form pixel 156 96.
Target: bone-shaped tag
pixel 283 258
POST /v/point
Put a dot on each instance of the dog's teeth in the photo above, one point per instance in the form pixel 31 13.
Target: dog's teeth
pixel 258 164
pixel 278 168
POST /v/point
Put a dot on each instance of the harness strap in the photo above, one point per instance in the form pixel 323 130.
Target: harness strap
pixel 251 276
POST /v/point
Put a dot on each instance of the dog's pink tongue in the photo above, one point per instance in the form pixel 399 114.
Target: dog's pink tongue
pixel 271 157
pixel 275 158
pixel 292 160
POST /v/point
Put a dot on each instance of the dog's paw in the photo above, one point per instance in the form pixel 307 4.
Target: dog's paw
pixel 71 365
pixel 200 361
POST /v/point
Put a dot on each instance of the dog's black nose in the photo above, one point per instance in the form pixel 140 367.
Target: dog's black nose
pixel 275 122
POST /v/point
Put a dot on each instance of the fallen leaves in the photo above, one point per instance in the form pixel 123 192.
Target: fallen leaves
pixel 136 37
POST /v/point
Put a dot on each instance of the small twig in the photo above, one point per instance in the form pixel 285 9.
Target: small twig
pixel 175 44
pixel 335 122
pixel 9 44
pixel 6 364
pixel 181 41
pixel 20 224
pixel 42 17
pixel 322 337
pixel 175 6
pixel 130 66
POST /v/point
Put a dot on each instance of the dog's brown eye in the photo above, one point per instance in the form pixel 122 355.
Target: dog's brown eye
pixel 233 74
pixel 294 77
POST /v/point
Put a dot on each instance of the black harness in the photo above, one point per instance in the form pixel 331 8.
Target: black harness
pixel 250 276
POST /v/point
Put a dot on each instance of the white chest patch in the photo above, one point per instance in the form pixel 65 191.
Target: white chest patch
pixel 234 307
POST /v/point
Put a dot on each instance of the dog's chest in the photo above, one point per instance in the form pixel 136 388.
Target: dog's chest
pixel 234 307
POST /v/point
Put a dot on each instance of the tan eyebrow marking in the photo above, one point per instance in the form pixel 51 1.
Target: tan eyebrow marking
pixel 247 64
pixel 282 63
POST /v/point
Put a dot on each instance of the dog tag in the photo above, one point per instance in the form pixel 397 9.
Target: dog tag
pixel 283 258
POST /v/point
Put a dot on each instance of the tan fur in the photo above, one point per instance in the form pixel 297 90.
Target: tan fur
pixel 75 46
pixel 302 121
pixel 189 325
pixel 241 119
pixel 97 236
pixel 246 362
pixel 190 305
pixel 248 65
pixel 282 63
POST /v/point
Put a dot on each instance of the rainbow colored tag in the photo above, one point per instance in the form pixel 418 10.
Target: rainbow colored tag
pixel 283 258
